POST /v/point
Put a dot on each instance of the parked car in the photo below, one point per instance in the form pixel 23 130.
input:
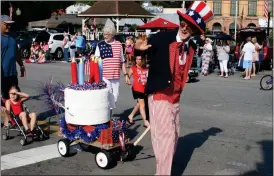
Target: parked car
pixel 56 44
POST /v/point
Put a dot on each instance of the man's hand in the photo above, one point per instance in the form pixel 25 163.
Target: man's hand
pixel 141 43
pixel 23 71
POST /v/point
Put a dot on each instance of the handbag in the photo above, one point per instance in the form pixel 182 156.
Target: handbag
pixel 72 47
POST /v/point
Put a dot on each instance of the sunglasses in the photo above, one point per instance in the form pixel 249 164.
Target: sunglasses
pixel 185 25
pixel 12 93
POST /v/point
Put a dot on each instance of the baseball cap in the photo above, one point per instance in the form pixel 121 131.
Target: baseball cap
pixel 6 19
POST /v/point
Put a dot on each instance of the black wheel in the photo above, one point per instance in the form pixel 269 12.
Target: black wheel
pixel 25 53
pixel 63 146
pixel 128 155
pixel 103 159
pixel 5 137
pixel 266 82
pixel 23 141
pixel 188 79
pixel 46 135
pixel 59 53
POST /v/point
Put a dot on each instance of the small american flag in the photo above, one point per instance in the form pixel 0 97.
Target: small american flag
pixel 266 8
pixel 122 141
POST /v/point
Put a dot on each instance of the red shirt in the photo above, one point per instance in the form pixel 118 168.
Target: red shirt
pixel 16 107
pixel 139 78
pixel 179 74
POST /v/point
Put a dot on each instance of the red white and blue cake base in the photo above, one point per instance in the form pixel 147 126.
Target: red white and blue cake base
pixel 110 133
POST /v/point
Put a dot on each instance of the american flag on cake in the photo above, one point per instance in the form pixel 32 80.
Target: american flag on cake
pixel 112 56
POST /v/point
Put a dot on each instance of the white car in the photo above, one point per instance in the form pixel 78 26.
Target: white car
pixel 56 44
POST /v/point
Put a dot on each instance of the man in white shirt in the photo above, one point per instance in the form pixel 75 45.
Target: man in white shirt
pixel 248 51
pixel 66 47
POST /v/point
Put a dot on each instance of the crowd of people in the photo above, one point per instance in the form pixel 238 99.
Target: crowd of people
pixel 249 57
pixel 39 53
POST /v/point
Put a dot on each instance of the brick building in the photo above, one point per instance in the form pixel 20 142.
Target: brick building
pixel 249 13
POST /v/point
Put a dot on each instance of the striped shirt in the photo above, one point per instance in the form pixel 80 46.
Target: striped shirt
pixel 112 56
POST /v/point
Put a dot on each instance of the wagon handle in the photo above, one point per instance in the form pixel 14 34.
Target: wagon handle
pixel 62 106
pixel 142 136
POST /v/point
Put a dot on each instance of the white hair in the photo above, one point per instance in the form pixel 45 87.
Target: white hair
pixel 109 29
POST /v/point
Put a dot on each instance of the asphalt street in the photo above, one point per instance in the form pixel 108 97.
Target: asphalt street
pixel 226 129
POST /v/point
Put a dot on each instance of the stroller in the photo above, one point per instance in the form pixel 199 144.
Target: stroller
pixel 232 64
pixel 16 125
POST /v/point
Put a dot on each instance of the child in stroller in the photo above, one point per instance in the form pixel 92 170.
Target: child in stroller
pixel 15 104
pixel 17 115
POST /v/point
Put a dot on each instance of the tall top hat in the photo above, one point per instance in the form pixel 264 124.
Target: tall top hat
pixel 198 14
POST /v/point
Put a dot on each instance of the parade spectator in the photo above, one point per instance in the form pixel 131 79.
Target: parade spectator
pixel 5 114
pixel 72 48
pixel 14 104
pixel 111 51
pixel 201 44
pixel 80 44
pixel 223 57
pixel 42 58
pixel 206 56
pixel 171 55
pixel 128 50
pixel 247 55
pixel 9 56
pixel 66 47
pixel 139 72
pixel 45 46
pixel 256 55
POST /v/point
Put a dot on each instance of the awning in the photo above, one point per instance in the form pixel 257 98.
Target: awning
pixel 159 23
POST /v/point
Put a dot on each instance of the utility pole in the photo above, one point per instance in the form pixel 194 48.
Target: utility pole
pixel 183 7
pixel 268 23
pixel 236 18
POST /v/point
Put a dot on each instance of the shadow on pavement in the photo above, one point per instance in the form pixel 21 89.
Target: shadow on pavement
pixel 186 146
pixel 46 114
pixel 266 167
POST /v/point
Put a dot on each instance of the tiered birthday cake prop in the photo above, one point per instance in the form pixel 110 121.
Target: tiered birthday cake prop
pixel 87 107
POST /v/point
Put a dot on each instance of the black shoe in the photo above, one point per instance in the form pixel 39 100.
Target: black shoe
pixel 28 133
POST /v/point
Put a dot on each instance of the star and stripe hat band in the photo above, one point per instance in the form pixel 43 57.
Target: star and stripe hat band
pixel 198 14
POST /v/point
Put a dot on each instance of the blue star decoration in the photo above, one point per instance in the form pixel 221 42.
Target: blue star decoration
pixel 105 50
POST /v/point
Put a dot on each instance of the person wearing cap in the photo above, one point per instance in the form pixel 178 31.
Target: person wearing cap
pixel 9 56
pixel 171 55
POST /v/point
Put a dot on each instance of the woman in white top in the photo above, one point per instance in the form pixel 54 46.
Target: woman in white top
pixel 256 55
pixel 223 57
pixel 206 56
pixel 72 48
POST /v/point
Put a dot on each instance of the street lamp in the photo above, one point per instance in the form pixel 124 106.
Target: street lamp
pixel 18 12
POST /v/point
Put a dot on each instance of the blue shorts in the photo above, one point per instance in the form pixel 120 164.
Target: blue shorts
pixel 247 64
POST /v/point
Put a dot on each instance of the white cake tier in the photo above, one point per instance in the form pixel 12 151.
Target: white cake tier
pixel 89 107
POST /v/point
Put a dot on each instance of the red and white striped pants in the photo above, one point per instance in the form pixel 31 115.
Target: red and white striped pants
pixel 164 122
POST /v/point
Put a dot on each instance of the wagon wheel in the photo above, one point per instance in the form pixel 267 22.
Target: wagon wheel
pixel 104 160
pixel 63 146
pixel 128 155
